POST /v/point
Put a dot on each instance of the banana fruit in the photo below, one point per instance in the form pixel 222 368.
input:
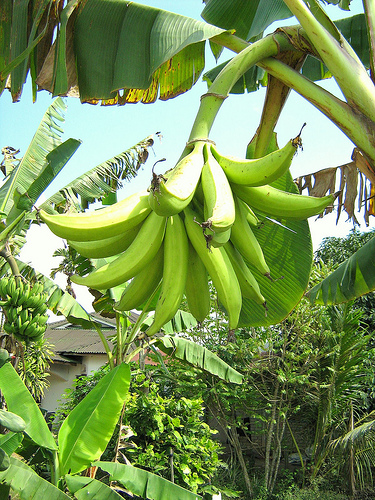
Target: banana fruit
pixel 143 285
pixel 281 204
pixel 259 171
pixel 219 268
pixel 104 223
pixel 197 223
pixel 219 210
pixel 197 289
pixel 175 269
pixel 170 196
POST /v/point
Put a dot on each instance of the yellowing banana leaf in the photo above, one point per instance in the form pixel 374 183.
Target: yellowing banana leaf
pixel 28 484
pixel 198 356
pixel 88 488
pixel 20 402
pixel 353 278
pixel 86 431
pixel 148 53
pixel 145 484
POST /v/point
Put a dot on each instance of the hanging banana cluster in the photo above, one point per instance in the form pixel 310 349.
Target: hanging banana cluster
pixel 24 306
pixel 193 224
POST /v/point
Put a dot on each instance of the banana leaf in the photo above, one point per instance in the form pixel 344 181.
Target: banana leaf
pixel 10 441
pixel 46 138
pixel 249 19
pixel 102 179
pixel 28 484
pixel 198 356
pixel 86 431
pixel 20 402
pixel 144 56
pixel 88 488
pixel 353 278
pixel 145 484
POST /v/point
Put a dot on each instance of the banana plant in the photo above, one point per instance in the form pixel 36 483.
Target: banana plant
pixel 294 57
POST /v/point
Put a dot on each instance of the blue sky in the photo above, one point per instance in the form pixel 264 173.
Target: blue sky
pixel 106 131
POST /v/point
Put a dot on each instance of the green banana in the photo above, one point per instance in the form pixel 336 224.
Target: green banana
pixel 3 286
pixel 197 290
pixel 11 286
pixel 219 239
pixel 219 211
pixel 104 223
pixel 175 268
pixel 219 268
pixel 251 218
pixel 245 240
pixel 171 196
pixel 142 285
pixel 106 247
pixel 249 286
pixel 129 263
pixel 282 204
pixel 258 171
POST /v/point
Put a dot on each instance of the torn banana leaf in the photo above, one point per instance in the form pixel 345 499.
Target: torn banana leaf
pixel 353 278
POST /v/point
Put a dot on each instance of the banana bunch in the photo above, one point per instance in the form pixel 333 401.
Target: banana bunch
pixel 24 307
pixel 194 224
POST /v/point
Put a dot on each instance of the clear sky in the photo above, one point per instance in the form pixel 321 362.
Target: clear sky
pixel 106 131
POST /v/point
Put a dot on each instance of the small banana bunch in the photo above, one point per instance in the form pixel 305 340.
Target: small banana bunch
pixel 193 224
pixel 25 307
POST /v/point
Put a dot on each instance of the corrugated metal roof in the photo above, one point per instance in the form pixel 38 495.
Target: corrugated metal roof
pixel 68 340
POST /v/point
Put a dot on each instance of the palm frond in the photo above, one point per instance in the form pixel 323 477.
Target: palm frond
pixel 105 178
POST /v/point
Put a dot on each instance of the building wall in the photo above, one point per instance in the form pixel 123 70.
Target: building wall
pixel 62 376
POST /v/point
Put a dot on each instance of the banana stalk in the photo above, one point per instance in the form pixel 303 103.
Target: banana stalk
pixel 338 56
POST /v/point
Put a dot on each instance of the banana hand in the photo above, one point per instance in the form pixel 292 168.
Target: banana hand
pixel 129 263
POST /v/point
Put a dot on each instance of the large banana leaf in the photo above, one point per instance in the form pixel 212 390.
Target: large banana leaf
pixel 28 484
pixel 148 52
pixel 353 278
pixel 199 356
pixel 145 484
pixel 20 402
pixel 87 488
pixel 86 431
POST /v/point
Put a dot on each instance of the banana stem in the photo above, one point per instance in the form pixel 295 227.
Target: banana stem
pixel 369 8
pixel 249 56
pixel 7 255
pixel 105 344
pixel 354 125
pixel 339 57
